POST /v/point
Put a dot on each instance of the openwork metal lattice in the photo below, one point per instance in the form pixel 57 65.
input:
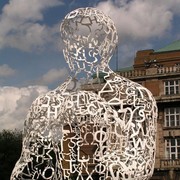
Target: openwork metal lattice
pixel 78 134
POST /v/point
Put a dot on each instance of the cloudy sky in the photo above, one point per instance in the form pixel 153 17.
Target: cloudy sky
pixel 31 60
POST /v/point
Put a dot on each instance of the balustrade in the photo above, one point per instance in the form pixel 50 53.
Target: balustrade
pixel 169 163
pixel 160 70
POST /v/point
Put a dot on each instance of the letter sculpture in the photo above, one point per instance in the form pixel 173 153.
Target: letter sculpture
pixel 105 134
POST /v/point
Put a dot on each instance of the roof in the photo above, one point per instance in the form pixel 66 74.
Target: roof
pixel 175 46
pixel 126 69
pixel 101 75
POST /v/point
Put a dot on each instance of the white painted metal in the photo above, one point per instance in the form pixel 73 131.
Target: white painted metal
pixel 77 134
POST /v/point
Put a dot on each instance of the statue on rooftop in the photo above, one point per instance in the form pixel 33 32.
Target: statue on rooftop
pixel 71 133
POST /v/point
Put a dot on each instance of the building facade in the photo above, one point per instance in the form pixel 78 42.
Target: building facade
pixel 159 71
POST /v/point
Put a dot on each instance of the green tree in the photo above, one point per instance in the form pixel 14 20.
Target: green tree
pixel 10 150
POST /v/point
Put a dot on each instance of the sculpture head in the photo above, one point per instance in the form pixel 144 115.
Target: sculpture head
pixel 90 39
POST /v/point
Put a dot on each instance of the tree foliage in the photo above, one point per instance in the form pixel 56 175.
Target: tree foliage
pixel 10 150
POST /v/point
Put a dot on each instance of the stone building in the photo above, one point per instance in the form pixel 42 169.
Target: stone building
pixel 159 71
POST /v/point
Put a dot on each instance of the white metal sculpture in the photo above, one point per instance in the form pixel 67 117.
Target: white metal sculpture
pixel 78 134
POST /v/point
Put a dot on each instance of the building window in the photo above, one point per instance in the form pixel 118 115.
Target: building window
pixel 171 87
pixel 172 117
pixel 172 148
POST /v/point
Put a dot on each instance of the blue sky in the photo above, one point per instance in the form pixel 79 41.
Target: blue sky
pixel 31 60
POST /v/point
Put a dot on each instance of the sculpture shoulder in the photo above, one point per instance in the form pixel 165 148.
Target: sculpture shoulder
pixel 53 96
pixel 44 107
pixel 120 87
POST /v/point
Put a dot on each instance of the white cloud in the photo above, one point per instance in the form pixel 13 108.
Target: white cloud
pixel 14 104
pixel 141 19
pixel 52 76
pixel 21 27
pixel 28 10
pixel 6 71
pixel 138 22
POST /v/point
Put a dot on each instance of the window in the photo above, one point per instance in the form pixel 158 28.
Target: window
pixel 172 148
pixel 171 87
pixel 172 117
